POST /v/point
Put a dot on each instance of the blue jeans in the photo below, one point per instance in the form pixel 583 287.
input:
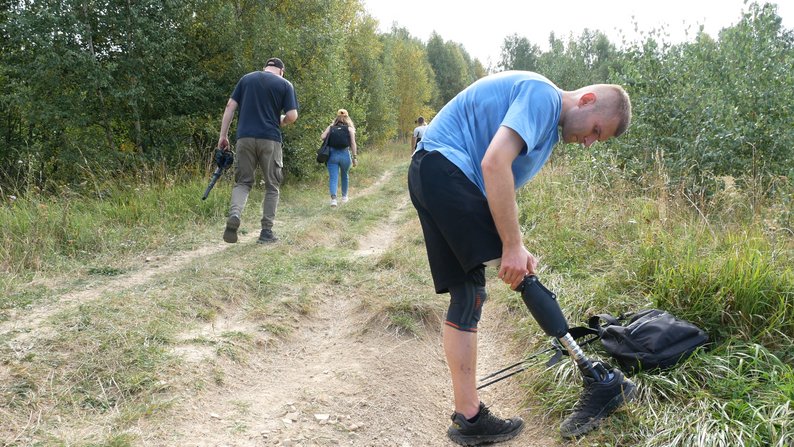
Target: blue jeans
pixel 339 162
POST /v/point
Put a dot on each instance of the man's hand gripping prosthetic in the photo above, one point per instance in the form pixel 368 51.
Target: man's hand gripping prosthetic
pixel 223 159
pixel 542 303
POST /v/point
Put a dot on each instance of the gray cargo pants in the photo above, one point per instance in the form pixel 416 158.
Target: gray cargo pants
pixel 267 155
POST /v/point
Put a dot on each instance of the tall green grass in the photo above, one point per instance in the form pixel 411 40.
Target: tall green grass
pixel 608 244
pixel 76 237
pixel 737 291
pixel 108 219
pixel 50 233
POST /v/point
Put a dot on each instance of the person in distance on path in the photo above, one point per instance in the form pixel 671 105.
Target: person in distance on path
pixel 341 135
pixel 419 132
pixel 262 97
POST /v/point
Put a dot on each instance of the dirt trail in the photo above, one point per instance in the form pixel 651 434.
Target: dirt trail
pixel 27 322
pixel 333 382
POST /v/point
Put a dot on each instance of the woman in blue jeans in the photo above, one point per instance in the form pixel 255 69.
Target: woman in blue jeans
pixel 341 136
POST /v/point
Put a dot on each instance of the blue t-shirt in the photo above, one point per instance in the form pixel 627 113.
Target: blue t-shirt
pixel 261 97
pixel 524 101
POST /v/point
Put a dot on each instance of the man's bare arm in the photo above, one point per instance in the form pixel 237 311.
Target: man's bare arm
pixel 497 170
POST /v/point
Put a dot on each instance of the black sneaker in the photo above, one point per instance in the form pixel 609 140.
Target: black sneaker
pixel 230 233
pixel 598 400
pixel 266 237
pixel 486 429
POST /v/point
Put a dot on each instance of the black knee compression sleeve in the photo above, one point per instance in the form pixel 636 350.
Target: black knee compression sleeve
pixel 465 304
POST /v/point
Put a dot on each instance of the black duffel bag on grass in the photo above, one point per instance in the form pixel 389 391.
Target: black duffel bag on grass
pixel 651 339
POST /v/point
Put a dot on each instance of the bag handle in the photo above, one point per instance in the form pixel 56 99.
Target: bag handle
pixel 594 322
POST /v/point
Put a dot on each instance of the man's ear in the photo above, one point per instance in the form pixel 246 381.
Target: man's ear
pixel 587 98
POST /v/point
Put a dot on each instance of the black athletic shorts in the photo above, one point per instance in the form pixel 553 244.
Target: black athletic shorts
pixel 460 234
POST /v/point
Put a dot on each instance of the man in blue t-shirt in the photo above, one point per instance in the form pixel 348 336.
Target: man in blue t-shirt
pixel 489 140
pixel 262 96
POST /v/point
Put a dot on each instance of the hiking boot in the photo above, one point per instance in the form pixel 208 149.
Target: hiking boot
pixel 333 201
pixel 344 199
pixel 230 233
pixel 486 429
pixel 598 400
pixel 266 237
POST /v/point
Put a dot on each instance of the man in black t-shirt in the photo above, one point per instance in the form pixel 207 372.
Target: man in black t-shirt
pixel 262 96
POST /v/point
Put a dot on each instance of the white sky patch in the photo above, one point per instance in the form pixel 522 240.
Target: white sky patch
pixel 482 26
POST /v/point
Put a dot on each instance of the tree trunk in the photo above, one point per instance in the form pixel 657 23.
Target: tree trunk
pixel 134 83
pixel 102 108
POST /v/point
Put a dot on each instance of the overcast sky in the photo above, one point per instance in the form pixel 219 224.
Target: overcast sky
pixel 482 26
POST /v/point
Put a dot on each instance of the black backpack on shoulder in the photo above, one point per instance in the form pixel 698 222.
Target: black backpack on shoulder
pixel 650 339
pixel 339 137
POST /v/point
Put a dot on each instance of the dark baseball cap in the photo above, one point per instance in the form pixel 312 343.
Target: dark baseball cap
pixel 274 62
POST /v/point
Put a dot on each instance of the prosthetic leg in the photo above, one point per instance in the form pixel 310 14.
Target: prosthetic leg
pixel 542 303
pixel 605 390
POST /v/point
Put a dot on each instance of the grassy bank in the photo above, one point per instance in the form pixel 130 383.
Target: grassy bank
pixel 610 246
pixel 76 239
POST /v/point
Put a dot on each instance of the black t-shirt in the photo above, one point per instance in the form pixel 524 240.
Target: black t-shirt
pixel 261 97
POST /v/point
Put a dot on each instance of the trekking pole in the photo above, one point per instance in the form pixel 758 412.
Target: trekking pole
pixel 523 364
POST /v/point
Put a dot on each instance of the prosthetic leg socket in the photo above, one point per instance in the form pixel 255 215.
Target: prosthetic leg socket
pixel 543 306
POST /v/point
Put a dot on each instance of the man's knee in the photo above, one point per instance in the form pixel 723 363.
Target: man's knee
pixel 465 305
pixel 245 181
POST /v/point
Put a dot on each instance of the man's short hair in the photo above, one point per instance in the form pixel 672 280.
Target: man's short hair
pixel 616 101
pixel 274 62
pixel 623 109
pixel 420 120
